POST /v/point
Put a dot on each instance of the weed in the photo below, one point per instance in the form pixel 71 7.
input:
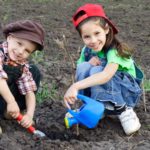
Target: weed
pixel 37 57
pixel 146 85
pixel 45 93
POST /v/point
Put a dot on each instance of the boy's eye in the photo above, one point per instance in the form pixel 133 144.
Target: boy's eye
pixel 19 43
pixel 27 51
pixel 86 36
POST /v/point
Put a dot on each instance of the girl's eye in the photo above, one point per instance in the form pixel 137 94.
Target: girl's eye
pixel 97 33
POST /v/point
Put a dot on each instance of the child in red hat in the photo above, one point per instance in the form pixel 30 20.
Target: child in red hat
pixel 19 80
pixel 105 70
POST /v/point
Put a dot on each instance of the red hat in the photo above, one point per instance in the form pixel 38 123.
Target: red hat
pixel 26 29
pixel 91 10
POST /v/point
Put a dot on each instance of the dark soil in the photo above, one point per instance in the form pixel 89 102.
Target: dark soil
pixel 132 20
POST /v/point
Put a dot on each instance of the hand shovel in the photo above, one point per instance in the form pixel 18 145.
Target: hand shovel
pixel 31 129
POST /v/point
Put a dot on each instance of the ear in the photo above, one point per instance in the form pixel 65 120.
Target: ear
pixel 106 28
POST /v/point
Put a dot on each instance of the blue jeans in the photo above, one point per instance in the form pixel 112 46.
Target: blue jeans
pixel 121 90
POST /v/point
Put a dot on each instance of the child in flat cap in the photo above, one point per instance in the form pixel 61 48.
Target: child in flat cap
pixel 106 70
pixel 19 80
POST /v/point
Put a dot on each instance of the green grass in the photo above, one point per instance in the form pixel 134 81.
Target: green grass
pixel 37 57
pixel 146 84
pixel 46 93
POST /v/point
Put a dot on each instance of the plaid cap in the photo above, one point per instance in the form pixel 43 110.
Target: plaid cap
pixel 91 10
pixel 28 30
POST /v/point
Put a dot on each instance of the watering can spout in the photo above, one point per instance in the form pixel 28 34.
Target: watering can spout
pixel 89 113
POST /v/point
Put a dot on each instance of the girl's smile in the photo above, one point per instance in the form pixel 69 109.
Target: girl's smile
pixel 93 35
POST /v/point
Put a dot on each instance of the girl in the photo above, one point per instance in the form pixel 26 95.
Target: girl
pixel 105 70
pixel 18 80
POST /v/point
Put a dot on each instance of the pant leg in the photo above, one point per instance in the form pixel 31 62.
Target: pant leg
pixel 82 72
pixel 109 93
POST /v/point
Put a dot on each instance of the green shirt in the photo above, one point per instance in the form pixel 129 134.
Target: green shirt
pixel 125 64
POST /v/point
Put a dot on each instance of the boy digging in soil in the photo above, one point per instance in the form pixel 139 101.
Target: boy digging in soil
pixel 106 71
pixel 18 79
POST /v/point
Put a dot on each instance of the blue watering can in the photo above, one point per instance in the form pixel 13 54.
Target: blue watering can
pixel 88 115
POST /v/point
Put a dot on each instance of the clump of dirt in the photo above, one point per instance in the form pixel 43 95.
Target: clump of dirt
pixel 133 23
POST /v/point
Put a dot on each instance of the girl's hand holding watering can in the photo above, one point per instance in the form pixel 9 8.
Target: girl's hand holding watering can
pixel 71 95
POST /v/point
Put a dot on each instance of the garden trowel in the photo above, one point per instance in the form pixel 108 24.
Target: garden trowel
pixel 31 129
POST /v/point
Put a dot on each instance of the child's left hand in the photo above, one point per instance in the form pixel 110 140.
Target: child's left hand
pixel 95 61
pixel 26 121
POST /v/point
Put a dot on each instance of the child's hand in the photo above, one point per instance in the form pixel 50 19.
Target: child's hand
pixel 70 95
pixel 13 109
pixel 26 121
pixel 94 61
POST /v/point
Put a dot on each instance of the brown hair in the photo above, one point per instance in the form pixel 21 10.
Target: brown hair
pixel 111 40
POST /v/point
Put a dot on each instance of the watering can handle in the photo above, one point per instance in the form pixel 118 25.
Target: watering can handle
pixel 84 98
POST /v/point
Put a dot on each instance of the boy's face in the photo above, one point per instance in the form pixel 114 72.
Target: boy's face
pixel 19 49
pixel 93 35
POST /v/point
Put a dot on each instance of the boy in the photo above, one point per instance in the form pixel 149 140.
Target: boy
pixel 18 80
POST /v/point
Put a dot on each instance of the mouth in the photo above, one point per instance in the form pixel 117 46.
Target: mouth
pixel 14 57
pixel 96 46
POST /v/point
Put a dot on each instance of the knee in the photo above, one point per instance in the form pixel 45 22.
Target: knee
pixel 83 71
pixel 95 70
pixel 84 67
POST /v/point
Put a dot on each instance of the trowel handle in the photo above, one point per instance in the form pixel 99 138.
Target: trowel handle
pixel 31 128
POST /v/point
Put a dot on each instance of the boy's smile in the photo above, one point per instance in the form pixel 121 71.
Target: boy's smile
pixel 19 49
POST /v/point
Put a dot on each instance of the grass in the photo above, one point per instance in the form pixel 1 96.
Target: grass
pixel 46 93
pixel 146 85
pixel 37 57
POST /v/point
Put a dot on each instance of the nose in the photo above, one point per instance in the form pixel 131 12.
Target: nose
pixel 20 50
pixel 93 39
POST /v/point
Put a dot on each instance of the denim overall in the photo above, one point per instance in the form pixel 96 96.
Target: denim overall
pixel 121 90
pixel 14 73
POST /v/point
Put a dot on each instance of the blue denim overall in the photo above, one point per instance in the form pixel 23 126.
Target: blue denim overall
pixel 121 90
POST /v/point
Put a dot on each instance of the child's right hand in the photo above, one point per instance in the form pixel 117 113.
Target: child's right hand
pixel 70 95
pixel 94 61
pixel 13 109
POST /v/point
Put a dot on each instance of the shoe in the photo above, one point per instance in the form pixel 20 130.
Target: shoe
pixel 129 121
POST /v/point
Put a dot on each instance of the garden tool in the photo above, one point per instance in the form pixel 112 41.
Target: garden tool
pixel 88 114
pixel 31 129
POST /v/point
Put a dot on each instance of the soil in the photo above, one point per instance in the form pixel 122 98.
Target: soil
pixel 132 20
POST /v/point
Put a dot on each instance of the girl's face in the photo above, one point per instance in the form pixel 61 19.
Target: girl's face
pixel 93 35
pixel 19 49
